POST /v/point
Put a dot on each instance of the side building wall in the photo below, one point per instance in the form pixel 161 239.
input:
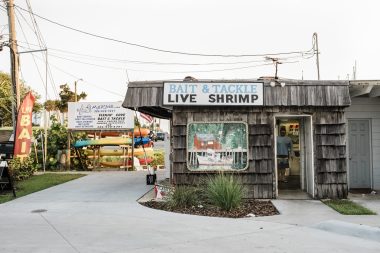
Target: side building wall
pixel 369 108
pixel 259 178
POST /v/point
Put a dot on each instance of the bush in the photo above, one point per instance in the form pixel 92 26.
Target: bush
pixel 22 169
pixel 158 159
pixel 184 196
pixel 224 191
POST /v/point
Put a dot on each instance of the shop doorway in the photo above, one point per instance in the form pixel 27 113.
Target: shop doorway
pixel 294 157
pixel 359 154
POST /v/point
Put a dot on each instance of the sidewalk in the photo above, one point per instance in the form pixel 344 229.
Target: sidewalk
pixel 99 213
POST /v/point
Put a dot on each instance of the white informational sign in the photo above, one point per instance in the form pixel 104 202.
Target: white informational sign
pixel 97 116
pixel 231 94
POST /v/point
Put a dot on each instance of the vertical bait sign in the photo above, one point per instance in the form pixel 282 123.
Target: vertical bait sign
pixel 234 94
pixel 24 131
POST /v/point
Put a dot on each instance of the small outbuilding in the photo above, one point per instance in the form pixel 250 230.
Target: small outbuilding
pixel 274 135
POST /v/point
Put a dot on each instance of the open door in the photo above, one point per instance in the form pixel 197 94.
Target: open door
pixel 294 157
pixel 308 155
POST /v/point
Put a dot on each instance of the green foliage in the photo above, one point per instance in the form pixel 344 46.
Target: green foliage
pixel 66 95
pixel 158 159
pixel 38 183
pixel 51 105
pixel 184 196
pixel 347 207
pixel 6 99
pixel 224 191
pixel 22 169
pixel 56 144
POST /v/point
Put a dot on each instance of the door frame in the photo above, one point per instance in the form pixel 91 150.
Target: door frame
pixel 369 120
pixel 295 116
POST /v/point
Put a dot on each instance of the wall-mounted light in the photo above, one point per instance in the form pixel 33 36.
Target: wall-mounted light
pixel 273 83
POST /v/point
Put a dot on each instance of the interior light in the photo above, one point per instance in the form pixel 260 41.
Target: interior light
pixel 282 84
pixel 272 83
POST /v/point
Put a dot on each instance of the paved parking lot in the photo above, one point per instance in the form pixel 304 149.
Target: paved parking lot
pixel 99 213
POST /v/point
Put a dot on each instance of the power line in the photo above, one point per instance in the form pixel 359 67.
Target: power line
pixel 107 59
pixel 162 71
pixel 34 60
pixel 42 44
pixel 76 77
pixel 157 49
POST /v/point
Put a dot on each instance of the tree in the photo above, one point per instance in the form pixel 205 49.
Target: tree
pixel 51 106
pixel 66 95
pixel 6 98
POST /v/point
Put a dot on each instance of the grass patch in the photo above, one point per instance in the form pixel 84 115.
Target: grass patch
pixel 347 207
pixel 38 183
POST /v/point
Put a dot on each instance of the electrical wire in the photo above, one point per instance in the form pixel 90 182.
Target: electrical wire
pixel 162 71
pixel 157 49
pixel 42 44
pixel 34 60
pixel 107 59
pixel 76 77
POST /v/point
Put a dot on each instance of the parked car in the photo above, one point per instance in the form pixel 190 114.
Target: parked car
pixel 160 136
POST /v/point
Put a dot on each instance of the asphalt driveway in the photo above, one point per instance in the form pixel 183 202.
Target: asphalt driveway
pixel 99 213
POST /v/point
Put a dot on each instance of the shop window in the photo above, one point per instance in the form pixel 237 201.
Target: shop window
pixel 217 146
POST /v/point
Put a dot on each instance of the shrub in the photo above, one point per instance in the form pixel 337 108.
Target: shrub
pixel 224 191
pixel 183 196
pixel 158 159
pixel 22 169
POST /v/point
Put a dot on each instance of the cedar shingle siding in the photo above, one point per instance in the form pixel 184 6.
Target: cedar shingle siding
pixel 323 100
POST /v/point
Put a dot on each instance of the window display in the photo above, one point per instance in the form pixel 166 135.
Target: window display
pixel 217 146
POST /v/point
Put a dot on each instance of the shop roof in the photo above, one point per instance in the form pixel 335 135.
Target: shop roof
pixel 147 96
pixel 365 88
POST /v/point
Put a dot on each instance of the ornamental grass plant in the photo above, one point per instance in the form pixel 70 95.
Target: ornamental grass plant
pixel 184 197
pixel 224 191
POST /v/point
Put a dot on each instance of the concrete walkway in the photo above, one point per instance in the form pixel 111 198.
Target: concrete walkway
pixel 99 213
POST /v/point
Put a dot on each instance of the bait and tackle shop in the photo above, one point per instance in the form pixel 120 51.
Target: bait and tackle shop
pixel 276 136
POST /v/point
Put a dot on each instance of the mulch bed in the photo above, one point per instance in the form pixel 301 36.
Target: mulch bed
pixel 247 208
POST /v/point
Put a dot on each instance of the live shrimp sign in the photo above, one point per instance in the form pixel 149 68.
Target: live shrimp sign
pixel 231 94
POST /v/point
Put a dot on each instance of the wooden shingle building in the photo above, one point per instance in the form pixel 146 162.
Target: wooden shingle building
pixel 273 135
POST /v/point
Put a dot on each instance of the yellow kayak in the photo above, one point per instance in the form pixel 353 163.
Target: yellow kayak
pixel 119 152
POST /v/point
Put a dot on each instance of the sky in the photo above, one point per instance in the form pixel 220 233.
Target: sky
pixel 347 32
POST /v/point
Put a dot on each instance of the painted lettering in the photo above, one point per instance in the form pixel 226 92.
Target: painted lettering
pixel 24 134
pixel 211 98
pixel 25 120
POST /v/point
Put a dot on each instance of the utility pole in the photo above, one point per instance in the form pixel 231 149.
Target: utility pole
pixel 14 52
pixel 75 89
pixel 14 62
pixel 315 39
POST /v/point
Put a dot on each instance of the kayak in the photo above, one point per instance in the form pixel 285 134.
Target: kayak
pixel 127 162
pixel 144 132
pixel 119 152
pixel 103 142
pixel 145 140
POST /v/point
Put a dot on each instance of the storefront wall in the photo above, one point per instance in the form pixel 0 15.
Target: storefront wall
pixel 329 148
pixel 325 101
pixel 368 109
